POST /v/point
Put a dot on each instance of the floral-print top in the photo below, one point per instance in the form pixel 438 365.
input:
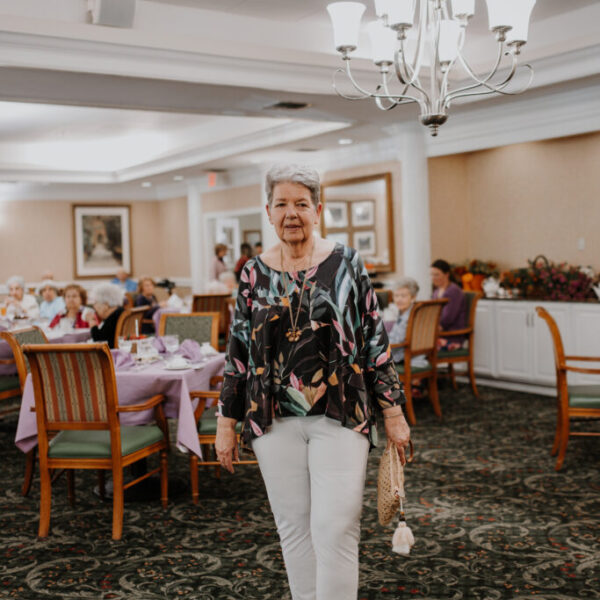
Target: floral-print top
pixel 340 367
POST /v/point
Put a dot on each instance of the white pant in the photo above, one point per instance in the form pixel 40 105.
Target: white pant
pixel 314 472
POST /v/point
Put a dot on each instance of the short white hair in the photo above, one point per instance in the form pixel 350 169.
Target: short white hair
pixel 410 284
pixel 107 293
pixel 47 283
pixel 16 280
pixel 302 174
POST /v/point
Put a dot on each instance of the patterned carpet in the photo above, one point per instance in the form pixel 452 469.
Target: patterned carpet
pixel 491 517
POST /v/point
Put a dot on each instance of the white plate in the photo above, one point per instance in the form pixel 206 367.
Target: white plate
pixel 178 367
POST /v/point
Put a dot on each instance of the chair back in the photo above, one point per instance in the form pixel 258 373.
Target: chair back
pixel 219 303
pixel 126 324
pixel 423 327
pixel 16 339
pixel 74 385
pixel 384 298
pixel 472 298
pixel 559 351
pixel 201 327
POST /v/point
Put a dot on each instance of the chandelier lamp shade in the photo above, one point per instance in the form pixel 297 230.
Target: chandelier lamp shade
pixel 417 45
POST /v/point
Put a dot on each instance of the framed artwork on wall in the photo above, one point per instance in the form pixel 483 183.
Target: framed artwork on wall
pixel 336 215
pixel 364 242
pixel 363 213
pixel 102 240
pixel 342 237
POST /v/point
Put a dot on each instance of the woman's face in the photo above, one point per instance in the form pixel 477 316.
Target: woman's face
pixel 15 291
pixel 402 298
pixel 293 213
pixel 72 300
pixel 439 278
pixel 48 293
pixel 147 288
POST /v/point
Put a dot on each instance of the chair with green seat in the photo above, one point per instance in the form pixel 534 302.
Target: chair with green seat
pixel 451 357
pixel 201 327
pixel 421 340
pixel 224 304
pixel 16 339
pixel 206 419
pixel 574 401
pixel 76 399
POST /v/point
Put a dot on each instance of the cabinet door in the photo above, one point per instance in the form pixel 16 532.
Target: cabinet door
pixel 485 342
pixel 586 327
pixel 542 351
pixel 513 328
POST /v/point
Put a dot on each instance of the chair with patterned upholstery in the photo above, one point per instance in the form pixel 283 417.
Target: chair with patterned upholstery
pixel 126 324
pixel 16 339
pixel 201 327
pixel 76 399
pixel 574 401
pixel 206 420
pixel 421 340
pixel 451 357
pixel 221 303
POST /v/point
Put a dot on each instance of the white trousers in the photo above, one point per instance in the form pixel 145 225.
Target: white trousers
pixel 314 472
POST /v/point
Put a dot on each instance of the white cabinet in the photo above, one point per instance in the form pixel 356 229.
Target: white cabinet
pixel 513 344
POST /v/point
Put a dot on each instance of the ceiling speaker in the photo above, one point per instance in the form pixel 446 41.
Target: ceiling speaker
pixel 114 13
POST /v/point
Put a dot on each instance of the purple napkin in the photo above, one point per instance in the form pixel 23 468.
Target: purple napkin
pixel 122 359
pixel 158 344
pixel 190 349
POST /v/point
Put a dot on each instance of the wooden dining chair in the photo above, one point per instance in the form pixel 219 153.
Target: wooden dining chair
pixel 574 401
pixel 201 327
pixel 76 399
pixel 466 355
pixel 16 339
pixel 206 421
pixel 421 340
pixel 221 303
pixel 126 323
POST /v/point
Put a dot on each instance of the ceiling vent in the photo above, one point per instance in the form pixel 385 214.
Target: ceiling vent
pixel 112 13
pixel 288 105
pixel 307 150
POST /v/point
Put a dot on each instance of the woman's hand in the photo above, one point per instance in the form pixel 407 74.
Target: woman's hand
pixel 226 443
pixel 397 429
pixel 91 318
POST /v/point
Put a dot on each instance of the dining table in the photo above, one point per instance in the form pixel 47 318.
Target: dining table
pixel 136 383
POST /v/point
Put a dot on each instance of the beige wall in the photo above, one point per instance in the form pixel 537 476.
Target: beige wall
pixel 38 235
pixel 247 196
pixel 512 203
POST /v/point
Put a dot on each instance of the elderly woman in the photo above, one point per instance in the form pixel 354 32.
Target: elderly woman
pixel 146 297
pixel 405 294
pixel 51 303
pixel 72 317
pixel 454 313
pixel 308 364
pixel 19 304
pixel 107 300
pixel 218 265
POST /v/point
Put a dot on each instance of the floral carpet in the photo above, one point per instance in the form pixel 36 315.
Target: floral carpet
pixel 491 518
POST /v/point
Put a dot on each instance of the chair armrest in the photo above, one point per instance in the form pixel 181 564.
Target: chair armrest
pixel 454 332
pixel 588 358
pixel 402 345
pixel 580 370
pixel 7 361
pixel 152 402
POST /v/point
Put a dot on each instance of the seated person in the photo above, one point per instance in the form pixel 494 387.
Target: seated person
pixel 107 300
pixel 405 294
pixel 51 303
pixel 19 304
pixel 146 297
pixel 454 313
pixel 128 284
pixel 72 317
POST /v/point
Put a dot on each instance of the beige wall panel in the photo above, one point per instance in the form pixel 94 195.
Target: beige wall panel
pixel 173 224
pixel 247 196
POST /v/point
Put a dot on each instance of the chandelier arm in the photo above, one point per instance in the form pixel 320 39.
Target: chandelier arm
pixel 384 85
pixel 346 96
pixel 492 72
pixel 424 104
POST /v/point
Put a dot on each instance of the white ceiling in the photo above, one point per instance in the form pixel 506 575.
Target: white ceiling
pixel 188 87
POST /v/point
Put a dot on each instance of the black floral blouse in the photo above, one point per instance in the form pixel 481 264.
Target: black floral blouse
pixel 340 367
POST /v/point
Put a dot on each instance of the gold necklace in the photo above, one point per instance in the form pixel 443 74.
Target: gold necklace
pixel 293 334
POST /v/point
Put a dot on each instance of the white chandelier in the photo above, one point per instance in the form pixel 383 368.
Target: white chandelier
pixel 440 36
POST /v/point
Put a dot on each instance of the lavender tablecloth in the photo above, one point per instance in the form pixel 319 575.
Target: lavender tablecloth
pixel 133 387
pixel 72 337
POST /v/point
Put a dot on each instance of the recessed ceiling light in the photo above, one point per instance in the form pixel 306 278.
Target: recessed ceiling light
pixel 178 177
pixel 345 141
pixel 146 184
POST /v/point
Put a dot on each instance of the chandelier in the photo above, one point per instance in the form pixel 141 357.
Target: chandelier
pixel 423 71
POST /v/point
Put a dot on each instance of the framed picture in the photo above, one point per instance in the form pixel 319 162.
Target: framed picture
pixel 251 236
pixel 341 237
pixel 363 213
pixel 102 239
pixel 336 215
pixel 364 242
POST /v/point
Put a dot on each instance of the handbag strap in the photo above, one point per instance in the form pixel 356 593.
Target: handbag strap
pixel 396 468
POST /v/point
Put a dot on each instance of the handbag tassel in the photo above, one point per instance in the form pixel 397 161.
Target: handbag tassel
pixel 403 539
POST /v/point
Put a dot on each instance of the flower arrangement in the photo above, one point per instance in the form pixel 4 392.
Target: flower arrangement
pixel 549 280
pixel 471 273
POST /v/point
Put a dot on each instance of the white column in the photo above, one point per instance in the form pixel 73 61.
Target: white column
pixel 198 250
pixel 269 237
pixel 416 233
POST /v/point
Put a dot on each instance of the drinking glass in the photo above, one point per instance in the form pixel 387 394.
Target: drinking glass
pixel 125 344
pixel 145 348
pixel 171 343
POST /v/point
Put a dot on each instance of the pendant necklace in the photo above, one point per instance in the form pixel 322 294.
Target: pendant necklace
pixel 293 334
